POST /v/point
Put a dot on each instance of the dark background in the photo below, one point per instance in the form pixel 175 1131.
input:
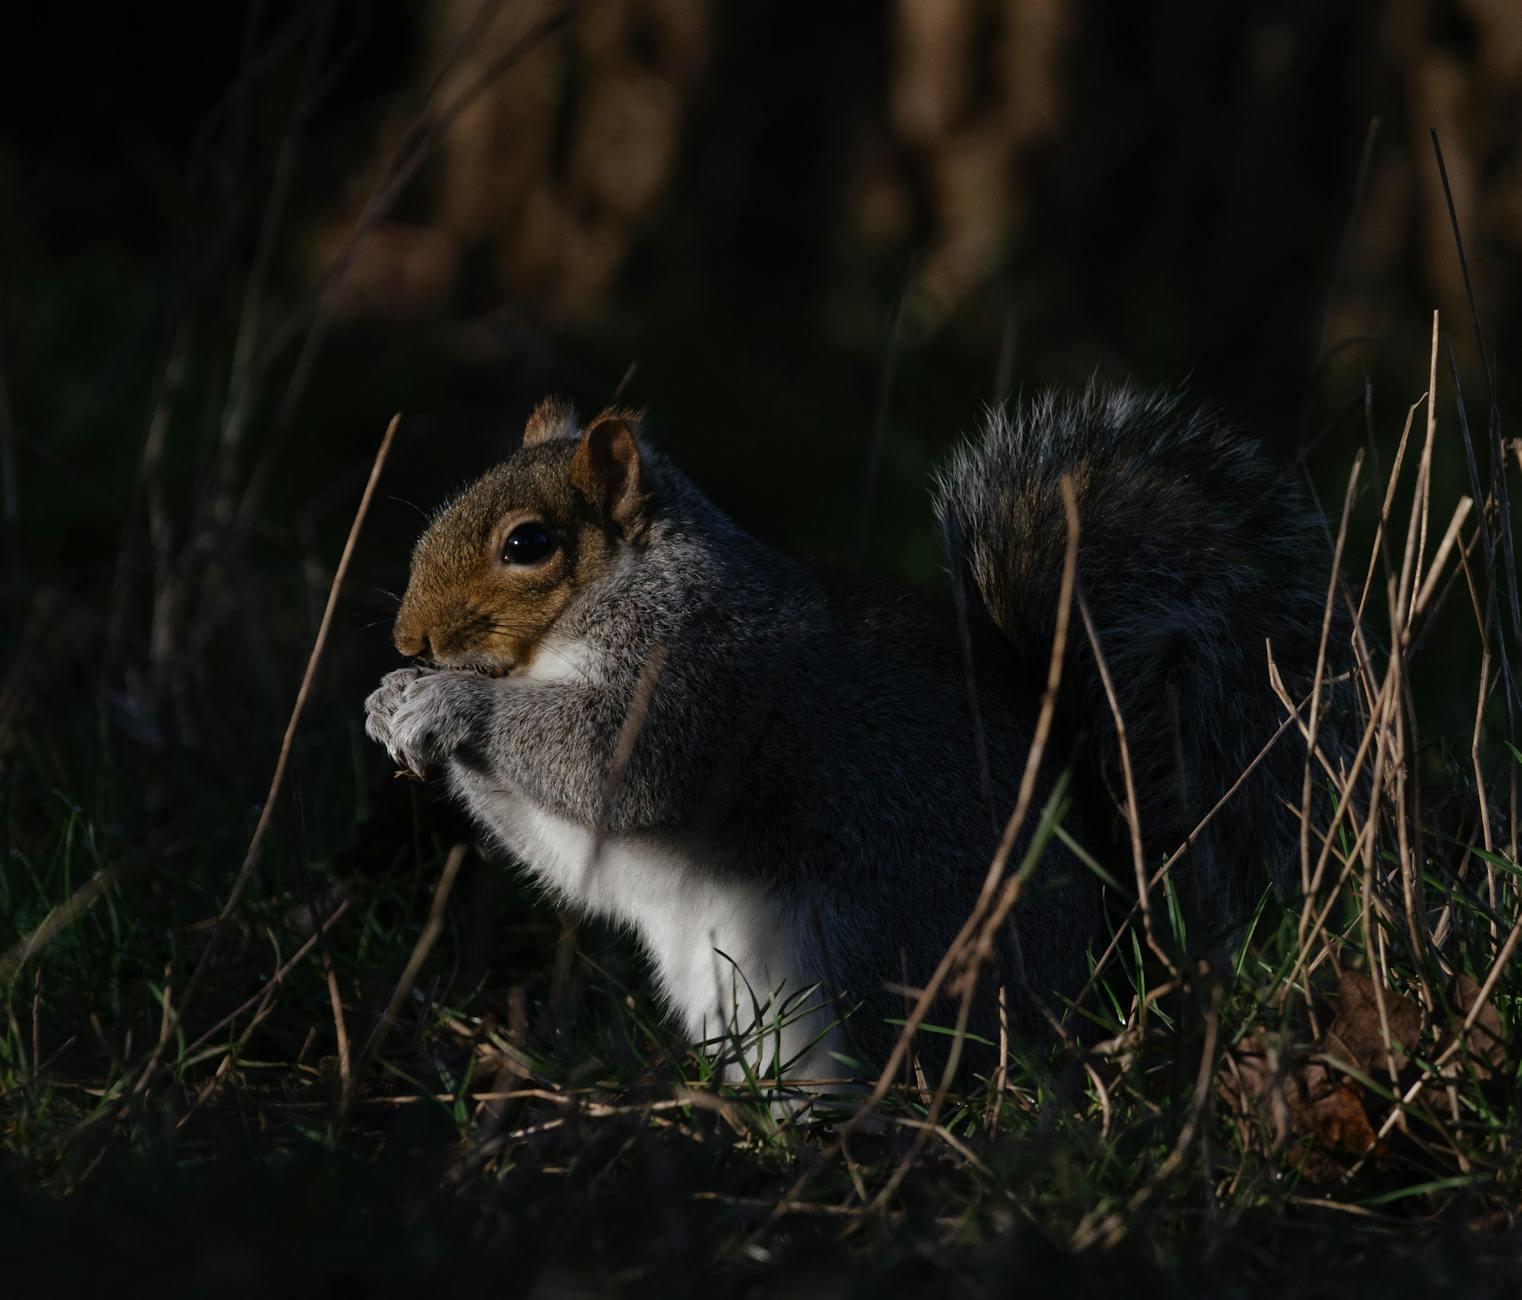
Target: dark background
pixel 736 198
pixel 807 229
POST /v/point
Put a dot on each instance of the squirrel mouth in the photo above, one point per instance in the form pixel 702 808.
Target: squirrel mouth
pixel 480 667
pixel 489 670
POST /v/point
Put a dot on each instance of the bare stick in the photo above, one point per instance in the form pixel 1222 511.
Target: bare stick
pixel 431 931
pixel 1384 509
pixel 1474 752
pixel 54 924
pixel 1416 530
pixel 245 872
pixel 1344 803
pixel 1481 1001
pixel 1326 628
pixel 1133 815
pixel 1108 1226
pixel 955 953
pixel 274 981
pixel 1440 557
pixel 1497 453
pixel 1173 858
pixel 961 946
pixel 1458 243
pixel 340 1031
pixel 1001 1072
pixel 313 659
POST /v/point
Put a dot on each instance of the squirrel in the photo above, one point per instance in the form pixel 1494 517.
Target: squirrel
pixel 790 784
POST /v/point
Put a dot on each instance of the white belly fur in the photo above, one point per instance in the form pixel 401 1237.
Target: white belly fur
pixel 720 948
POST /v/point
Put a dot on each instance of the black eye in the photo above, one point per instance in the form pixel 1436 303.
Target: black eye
pixel 528 544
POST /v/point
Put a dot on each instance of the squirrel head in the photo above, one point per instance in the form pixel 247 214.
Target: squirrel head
pixel 499 564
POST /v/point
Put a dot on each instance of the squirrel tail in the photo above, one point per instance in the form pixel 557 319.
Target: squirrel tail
pixel 1196 553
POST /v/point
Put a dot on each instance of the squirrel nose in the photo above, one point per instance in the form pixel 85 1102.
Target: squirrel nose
pixel 412 644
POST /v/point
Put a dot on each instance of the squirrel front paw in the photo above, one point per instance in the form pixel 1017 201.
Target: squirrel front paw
pixel 423 717
pixel 381 704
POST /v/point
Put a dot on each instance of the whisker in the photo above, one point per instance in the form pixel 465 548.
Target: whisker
pixel 413 504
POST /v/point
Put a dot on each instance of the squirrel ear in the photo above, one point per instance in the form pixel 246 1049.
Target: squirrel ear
pixel 554 417
pixel 606 469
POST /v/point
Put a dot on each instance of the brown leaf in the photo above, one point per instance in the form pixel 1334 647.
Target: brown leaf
pixel 1357 1035
pixel 1304 1100
pixel 1330 1108
pixel 1250 1081
pixel 1493 1221
pixel 1485 1042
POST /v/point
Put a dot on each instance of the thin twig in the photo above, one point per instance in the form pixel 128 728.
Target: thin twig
pixel 55 923
pixel 266 813
pixel 340 1030
pixel 1133 812
pixel 431 931
pixel 966 950
pixel 275 980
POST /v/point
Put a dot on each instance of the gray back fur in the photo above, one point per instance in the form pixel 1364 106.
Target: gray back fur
pixel 1195 550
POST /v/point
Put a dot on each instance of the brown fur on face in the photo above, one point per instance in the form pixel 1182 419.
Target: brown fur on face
pixel 466 606
pixel 553 418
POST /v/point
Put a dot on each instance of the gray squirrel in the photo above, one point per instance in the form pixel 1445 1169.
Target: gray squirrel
pixel 790 785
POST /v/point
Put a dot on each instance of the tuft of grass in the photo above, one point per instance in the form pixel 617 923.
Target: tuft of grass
pixel 395 1036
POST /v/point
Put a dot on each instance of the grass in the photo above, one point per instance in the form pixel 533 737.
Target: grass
pixel 370 1056
pixel 385 1062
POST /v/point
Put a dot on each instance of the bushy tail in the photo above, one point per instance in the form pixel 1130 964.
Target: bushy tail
pixel 1195 550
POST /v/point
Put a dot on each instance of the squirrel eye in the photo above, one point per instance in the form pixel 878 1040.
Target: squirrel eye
pixel 528 544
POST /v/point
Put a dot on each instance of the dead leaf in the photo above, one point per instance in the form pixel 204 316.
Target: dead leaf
pixel 1250 1081
pixel 1357 1035
pixel 1331 1111
pixel 1277 1101
pixel 1485 1043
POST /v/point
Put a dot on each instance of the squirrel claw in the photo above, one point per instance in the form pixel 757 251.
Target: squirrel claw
pixel 407 774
